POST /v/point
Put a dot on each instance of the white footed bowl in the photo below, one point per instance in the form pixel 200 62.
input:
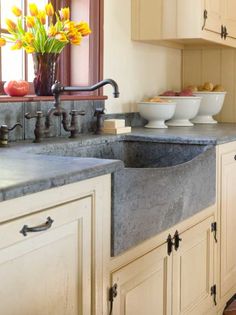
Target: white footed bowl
pixel 211 105
pixel 156 113
pixel 186 108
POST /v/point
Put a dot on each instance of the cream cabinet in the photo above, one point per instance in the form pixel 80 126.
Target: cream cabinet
pixel 184 23
pixel 227 219
pixel 179 281
pixel 193 271
pixel 212 16
pixel 143 286
pixel 229 17
pixel 51 250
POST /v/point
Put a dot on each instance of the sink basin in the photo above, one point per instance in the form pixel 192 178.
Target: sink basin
pixel 134 154
pixel 161 184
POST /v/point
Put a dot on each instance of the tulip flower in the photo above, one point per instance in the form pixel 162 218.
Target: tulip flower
pixel 16 11
pixel 29 49
pixel 64 14
pixel 69 26
pixel 30 21
pixel 33 9
pixel 11 26
pixel 76 40
pixel 2 42
pixel 61 37
pixel 42 17
pixel 52 31
pixel 18 45
pixel 73 33
pixel 28 38
pixel 49 9
pixel 40 36
pixel 83 28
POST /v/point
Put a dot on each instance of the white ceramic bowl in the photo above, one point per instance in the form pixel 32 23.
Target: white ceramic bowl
pixel 156 113
pixel 186 108
pixel 211 104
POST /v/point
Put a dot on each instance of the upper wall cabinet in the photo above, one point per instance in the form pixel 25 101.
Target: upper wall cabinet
pixel 229 17
pixel 184 23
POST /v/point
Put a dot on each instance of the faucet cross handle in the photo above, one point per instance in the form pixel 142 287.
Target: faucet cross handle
pixel 76 112
pixel 38 114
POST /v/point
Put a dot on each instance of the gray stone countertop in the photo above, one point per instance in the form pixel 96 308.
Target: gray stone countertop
pixel 24 172
pixel 198 134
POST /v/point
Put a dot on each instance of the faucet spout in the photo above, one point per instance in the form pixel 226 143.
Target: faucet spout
pixel 57 88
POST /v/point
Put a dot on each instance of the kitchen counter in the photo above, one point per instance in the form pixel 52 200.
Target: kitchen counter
pixel 24 173
pixel 198 134
pixel 25 169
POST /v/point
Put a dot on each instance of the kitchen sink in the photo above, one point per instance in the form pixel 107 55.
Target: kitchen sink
pixel 160 185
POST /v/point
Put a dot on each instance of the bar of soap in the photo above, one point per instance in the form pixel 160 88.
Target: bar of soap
pixel 116 131
pixel 114 123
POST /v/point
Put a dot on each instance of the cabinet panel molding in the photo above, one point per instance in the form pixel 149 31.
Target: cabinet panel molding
pixel 51 269
pixel 193 271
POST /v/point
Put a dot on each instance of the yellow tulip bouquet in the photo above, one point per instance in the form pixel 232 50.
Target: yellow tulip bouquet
pixel 37 35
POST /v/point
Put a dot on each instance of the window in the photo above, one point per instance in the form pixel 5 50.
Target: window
pixel 79 65
pixel 15 64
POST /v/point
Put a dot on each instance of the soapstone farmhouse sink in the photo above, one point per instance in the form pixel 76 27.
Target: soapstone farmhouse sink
pixel 160 185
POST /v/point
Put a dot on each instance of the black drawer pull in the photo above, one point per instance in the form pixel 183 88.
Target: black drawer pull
pixel 235 157
pixel 43 227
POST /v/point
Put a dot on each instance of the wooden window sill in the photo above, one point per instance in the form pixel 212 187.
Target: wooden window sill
pixel 34 98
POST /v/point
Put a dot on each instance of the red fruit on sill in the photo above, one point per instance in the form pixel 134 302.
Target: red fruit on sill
pixel 16 87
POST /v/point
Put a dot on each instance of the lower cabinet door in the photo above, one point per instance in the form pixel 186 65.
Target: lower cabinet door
pixel 143 286
pixel 193 270
pixel 47 271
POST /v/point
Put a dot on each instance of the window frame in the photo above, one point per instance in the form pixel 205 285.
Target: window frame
pixel 95 49
pixel 96 9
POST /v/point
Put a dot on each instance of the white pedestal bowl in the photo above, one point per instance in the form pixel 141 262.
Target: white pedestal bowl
pixel 211 105
pixel 156 113
pixel 186 108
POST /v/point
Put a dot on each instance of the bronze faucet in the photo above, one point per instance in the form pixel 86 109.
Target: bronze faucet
pixel 57 88
pixel 41 130
pixel 4 132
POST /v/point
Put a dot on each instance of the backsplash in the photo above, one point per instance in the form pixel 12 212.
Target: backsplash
pixel 10 113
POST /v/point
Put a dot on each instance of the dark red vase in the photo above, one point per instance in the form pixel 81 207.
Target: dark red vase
pixel 45 71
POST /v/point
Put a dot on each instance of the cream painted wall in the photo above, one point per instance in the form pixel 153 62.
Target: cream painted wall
pixel 141 70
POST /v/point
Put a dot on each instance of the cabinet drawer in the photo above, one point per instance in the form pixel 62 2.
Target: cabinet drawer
pixel 60 214
pixel 51 269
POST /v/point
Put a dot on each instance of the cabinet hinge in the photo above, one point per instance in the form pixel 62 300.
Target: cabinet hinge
pixel 177 240
pixel 205 16
pixel 112 294
pixel 170 244
pixel 225 32
pixel 222 31
pixel 214 230
pixel 213 293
